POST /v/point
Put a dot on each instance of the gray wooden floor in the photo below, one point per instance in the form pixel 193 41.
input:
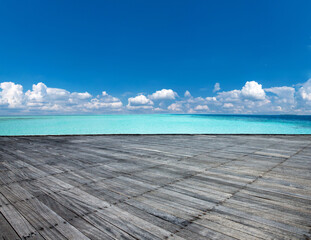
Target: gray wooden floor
pixel 155 187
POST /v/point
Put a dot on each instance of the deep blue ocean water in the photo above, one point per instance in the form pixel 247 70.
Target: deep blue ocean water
pixel 155 124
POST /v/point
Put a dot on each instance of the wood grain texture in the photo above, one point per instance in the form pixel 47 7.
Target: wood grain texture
pixel 155 187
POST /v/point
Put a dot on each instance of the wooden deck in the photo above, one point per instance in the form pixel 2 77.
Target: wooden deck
pixel 155 187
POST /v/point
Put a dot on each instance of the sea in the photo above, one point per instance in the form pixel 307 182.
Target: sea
pixel 155 124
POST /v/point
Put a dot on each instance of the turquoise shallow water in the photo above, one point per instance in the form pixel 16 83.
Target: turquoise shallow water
pixel 152 124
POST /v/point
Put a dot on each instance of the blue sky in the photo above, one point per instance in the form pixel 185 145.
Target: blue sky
pixel 136 48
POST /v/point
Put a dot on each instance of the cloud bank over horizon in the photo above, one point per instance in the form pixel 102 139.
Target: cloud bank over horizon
pixel 252 98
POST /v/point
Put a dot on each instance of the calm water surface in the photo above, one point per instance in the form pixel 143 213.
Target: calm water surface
pixel 148 124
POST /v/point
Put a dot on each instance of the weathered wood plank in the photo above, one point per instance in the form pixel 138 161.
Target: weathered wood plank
pixel 155 187
pixel 6 230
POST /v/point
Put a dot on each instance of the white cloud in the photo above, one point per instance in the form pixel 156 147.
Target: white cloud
pixel 253 90
pixel 230 96
pixel 286 93
pixel 251 98
pixel 216 87
pixel 54 107
pixel 142 107
pixel 303 98
pixel 187 94
pixel 211 99
pixel 76 95
pixel 175 107
pixel 96 103
pixel 108 98
pixel 164 94
pixel 38 93
pixel 104 101
pixel 305 91
pixel 159 109
pixel 195 100
pixel 139 100
pixel 44 99
pixel 283 98
pixel 201 107
pixel 228 105
pixel 41 94
pixel 11 94
pixel 57 93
